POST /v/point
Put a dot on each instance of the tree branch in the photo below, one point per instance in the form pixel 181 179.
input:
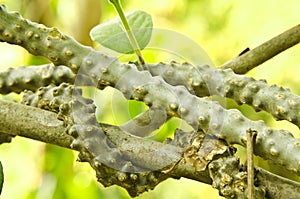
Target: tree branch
pixel 42 125
pixel 33 123
pixel 244 63
pixel 176 101
pixel 104 71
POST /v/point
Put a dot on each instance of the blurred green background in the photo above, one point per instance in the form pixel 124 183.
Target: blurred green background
pixel 222 28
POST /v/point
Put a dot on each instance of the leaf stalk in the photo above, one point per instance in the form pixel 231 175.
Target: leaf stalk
pixel 131 37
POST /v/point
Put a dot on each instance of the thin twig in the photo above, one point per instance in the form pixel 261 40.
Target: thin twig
pixel 244 63
pixel 250 166
pixel 131 36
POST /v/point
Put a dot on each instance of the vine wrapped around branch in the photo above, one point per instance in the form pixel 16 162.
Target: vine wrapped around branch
pixel 199 150
pixel 32 121
pixel 176 101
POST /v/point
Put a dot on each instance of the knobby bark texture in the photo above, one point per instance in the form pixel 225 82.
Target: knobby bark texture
pixel 56 113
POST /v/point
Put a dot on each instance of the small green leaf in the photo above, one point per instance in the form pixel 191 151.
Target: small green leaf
pixel 1 177
pixel 112 35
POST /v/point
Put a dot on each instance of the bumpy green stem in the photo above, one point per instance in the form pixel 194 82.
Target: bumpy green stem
pixel 145 123
pixel 205 81
pixel 199 80
pixel 36 38
pixel 125 168
pixel 33 77
pixel 230 125
pixel 79 116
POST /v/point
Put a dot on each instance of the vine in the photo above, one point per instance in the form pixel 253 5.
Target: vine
pixel 206 153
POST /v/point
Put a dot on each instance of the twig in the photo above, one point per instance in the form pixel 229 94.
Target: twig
pixel 250 166
pixel 244 63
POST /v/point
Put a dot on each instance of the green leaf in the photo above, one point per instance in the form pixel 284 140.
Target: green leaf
pixel 1 177
pixel 112 35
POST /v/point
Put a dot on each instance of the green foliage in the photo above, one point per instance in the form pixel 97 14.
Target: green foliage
pixel 112 35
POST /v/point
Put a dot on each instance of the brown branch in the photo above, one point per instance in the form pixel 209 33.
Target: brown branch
pixel 33 123
pixel 244 63
pixel 250 165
